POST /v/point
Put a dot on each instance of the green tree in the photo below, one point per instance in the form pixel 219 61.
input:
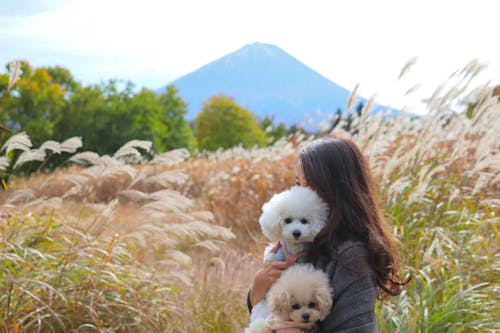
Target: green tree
pixel 160 119
pixel 222 123
pixel 273 132
pixel 35 103
pixel 101 115
pixel 63 77
pixel 348 117
pixel 4 129
pixel 83 115
pixel 48 103
pixel 107 117
pixel 174 110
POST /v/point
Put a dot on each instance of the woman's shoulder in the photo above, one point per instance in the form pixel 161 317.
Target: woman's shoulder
pixel 351 246
pixel 346 250
pixel 351 250
pixel 349 257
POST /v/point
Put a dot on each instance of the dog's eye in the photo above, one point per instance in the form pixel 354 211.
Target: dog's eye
pixel 288 220
pixel 295 306
pixel 312 305
pixel 304 221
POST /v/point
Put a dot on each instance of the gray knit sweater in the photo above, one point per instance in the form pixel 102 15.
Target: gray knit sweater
pixel 354 290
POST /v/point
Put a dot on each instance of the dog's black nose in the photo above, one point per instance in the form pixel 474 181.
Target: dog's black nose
pixel 296 234
pixel 306 316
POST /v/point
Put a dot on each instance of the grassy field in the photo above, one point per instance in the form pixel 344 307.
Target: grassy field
pixel 171 245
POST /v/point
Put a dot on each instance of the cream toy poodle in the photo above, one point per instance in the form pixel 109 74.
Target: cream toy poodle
pixel 299 298
pixel 291 219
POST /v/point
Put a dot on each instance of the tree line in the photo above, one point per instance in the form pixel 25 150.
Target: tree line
pixel 48 103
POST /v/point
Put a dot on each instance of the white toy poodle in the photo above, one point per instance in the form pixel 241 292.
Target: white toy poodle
pixel 291 219
pixel 299 298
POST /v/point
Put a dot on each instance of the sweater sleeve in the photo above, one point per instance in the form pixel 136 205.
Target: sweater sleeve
pixel 354 292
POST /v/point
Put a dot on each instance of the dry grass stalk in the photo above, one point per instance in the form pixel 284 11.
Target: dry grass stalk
pixel 439 178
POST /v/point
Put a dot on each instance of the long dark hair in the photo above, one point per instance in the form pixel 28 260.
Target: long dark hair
pixel 337 170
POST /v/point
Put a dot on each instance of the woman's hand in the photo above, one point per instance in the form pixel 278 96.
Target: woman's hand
pixel 264 279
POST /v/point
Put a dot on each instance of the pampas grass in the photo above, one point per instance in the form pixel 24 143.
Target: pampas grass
pixel 15 73
pixel 20 141
pixel 172 244
pixel 60 278
pixel 100 248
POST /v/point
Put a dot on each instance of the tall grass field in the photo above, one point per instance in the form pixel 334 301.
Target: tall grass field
pixel 170 244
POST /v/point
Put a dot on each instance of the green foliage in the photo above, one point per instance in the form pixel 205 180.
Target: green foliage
pixel 108 117
pixel 174 110
pixel 222 123
pixel 63 77
pixel 84 115
pixel 4 130
pixel 47 103
pixel 103 115
pixel 452 264
pixel 276 132
pixel 35 103
pixel 346 119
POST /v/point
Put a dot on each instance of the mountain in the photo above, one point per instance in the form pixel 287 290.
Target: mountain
pixel 266 80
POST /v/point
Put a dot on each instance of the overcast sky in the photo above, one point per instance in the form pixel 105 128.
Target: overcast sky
pixel 153 42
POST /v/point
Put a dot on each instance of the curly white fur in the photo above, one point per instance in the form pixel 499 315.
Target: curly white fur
pixel 294 217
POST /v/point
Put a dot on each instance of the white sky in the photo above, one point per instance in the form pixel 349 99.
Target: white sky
pixel 153 42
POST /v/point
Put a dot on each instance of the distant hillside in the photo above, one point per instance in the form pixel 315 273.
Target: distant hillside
pixel 266 80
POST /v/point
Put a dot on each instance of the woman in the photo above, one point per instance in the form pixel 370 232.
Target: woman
pixel 354 249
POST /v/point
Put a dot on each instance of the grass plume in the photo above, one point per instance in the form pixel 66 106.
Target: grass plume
pixel 171 245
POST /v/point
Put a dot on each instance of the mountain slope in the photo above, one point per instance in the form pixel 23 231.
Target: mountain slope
pixel 266 80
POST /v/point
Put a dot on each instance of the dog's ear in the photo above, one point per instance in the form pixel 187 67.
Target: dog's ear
pixel 319 216
pixel 270 222
pixel 279 301
pixel 323 298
